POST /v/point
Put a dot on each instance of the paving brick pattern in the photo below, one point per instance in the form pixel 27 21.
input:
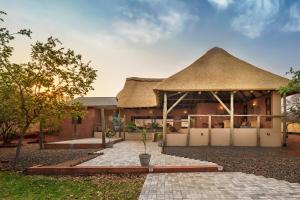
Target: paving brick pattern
pixel 216 185
pixel 127 154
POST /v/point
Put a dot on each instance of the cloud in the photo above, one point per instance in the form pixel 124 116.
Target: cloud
pixel 294 24
pixel 254 16
pixel 220 4
pixel 149 26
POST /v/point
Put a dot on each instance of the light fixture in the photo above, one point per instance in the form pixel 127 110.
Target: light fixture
pixel 221 107
pixel 185 111
pixel 150 111
pixel 199 92
pixel 254 103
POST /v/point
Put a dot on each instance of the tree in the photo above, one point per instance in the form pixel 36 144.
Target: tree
pixel 45 83
pixel 293 87
pixel 8 113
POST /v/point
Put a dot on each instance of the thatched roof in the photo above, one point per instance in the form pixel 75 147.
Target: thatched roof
pixel 138 93
pixel 217 70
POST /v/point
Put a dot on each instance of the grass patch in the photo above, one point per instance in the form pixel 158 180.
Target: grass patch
pixel 17 186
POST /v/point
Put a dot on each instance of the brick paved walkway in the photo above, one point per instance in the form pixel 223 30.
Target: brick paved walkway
pixel 127 154
pixel 220 185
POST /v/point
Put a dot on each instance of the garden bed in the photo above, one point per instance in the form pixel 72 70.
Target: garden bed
pixel 31 156
pixel 269 162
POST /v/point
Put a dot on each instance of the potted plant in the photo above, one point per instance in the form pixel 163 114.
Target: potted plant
pixel 109 134
pixel 117 121
pixel 131 127
pixel 144 157
pixel 160 139
pixel 154 126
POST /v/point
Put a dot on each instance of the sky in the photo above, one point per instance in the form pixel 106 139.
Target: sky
pixel 157 38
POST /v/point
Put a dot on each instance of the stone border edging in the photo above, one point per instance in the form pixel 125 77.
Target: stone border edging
pixel 93 170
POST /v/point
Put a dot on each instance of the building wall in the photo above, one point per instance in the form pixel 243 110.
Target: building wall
pixel 90 123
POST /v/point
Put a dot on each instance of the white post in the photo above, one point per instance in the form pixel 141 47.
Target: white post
pixel 189 129
pixel 258 130
pixel 165 110
pixel 103 127
pixel 231 117
pixel 209 130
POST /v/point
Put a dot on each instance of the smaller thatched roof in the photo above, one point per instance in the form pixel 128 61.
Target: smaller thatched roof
pixel 217 70
pixel 138 93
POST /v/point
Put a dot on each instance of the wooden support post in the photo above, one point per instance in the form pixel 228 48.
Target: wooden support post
pixel 175 104
pixel 258 131
pixel 103 127
pixel 165 120
pixel 284 141
pixel 209 130
pixel 231 117
pixel 189 131
pixel 221 102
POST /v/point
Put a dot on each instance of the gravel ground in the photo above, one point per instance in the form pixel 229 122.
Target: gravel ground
pixel 31 155
pixel 268 162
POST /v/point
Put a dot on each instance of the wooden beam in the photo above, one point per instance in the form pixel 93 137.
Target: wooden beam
pixel 165 114
pixel 221 102
pixel 103 127
pixel 284 141
pixel 244 96
pixel 231 117
pixel 182 97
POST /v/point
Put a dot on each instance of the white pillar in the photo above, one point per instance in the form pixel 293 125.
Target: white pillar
pixel 165 110
pixel 284 141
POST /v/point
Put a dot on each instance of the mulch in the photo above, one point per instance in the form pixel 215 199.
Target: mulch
pixel 31 155
pixel 269 162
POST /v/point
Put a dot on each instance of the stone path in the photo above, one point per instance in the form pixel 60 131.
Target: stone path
pixel 127 154
pixel 219 185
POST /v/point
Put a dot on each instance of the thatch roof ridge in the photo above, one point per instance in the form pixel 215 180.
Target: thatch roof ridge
pixel 144 79
pixel 219 70
pixel 138 93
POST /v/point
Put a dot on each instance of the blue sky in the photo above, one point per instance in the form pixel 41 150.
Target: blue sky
pixel 157 38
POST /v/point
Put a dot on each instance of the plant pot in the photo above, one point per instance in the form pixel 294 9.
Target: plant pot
pixel 109 145
pixel 145 159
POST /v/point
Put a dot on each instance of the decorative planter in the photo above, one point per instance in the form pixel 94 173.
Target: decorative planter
pixel 145 159
pixel 109 145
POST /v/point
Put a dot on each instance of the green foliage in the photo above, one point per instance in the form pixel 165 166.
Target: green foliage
pixel 45 83
pixel 109 134
pixel 117 121
pixel 160 136
pixel 15 186
pixel 154 125
pixel 144 138
pixel 131 126
pixel 294 84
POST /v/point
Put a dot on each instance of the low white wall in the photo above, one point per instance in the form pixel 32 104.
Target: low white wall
pixel 220 136
pixel 270 137
pixel 176 139
pixel 245 137
pixel 198 136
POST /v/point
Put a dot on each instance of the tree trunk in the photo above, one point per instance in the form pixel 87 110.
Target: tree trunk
pixel 19 147
pixel 41 139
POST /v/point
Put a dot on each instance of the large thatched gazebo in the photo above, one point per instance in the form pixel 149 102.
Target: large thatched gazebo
pixel 217 100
